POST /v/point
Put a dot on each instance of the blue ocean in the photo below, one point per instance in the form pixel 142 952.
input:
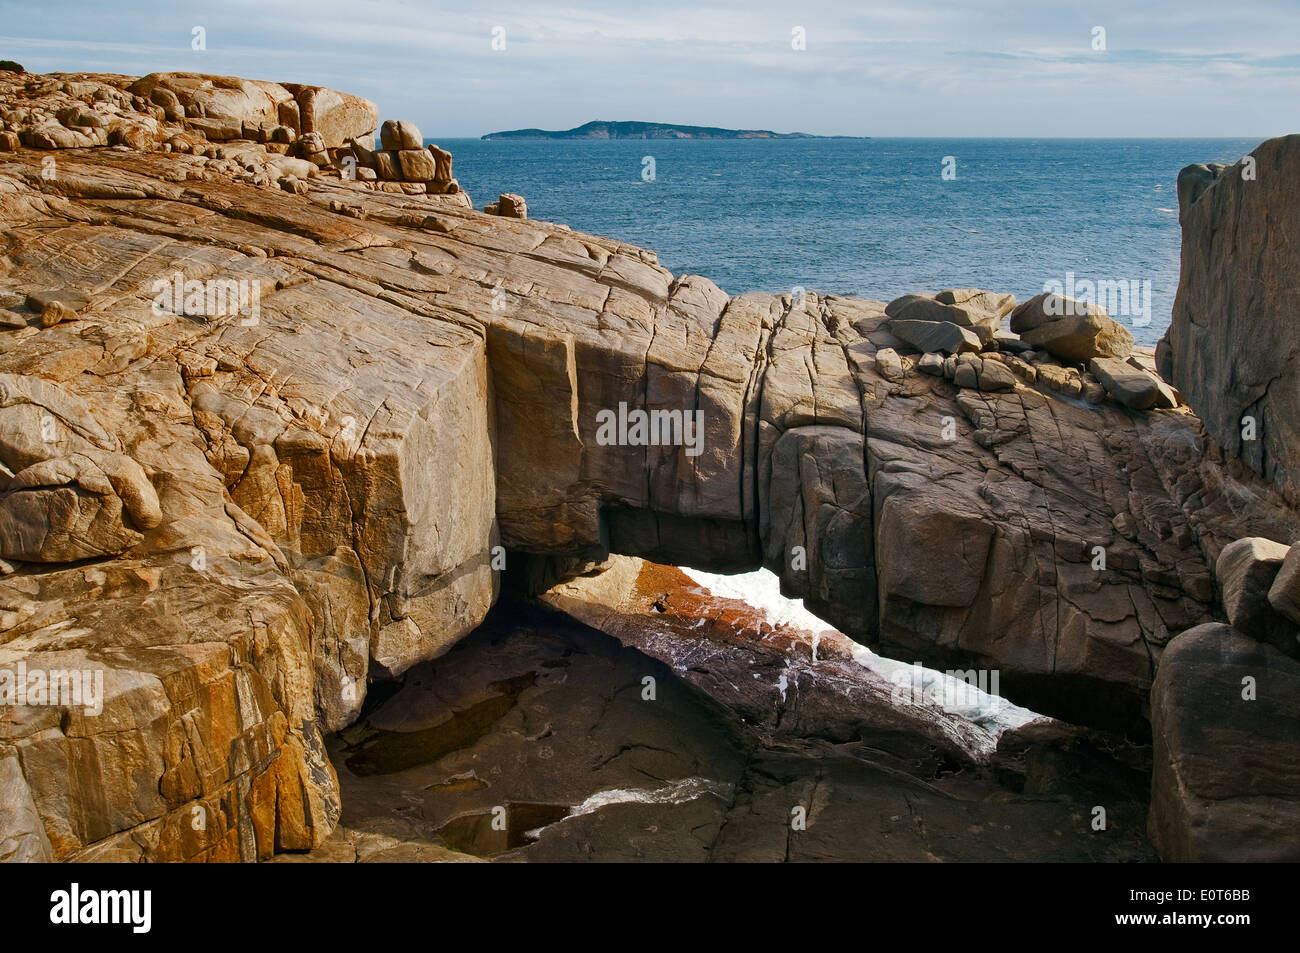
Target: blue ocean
pixel 874 218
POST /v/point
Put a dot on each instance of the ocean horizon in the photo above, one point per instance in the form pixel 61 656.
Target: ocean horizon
pixel 872 218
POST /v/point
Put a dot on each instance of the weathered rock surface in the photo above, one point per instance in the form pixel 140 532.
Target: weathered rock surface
pixel 213 97
pixel 243 128
pixel 943 337
pixel 1233 342
pixel 338 117
pixel 1225 719
pixel 983 374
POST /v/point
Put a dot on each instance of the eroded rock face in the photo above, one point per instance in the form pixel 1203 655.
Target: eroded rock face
pixel 1240 286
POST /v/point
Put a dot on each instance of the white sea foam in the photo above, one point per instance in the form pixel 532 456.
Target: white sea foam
pixel 679 792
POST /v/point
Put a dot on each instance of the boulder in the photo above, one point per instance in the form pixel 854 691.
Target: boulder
pixel 75 507
pixel 1074 330
pixel 995 376
pixel 889 364
pixel 442 158
pixel 217 128
pixel 976 301
pixel 895 307
pixel 52 135
pixel 311 147
pixel 139 137
pixel 1245 571
pixel 71 299
pixel 928 336
pixel 290 166
pixel 56 312
pixel 511 205
pixel 386 165
pixel 1011 343
pixel 73 116
pixel 337 116
pixel 288 114
pixel 1018 366
pixel 417 165
pixel 170 103
pixel 364 155
pixel 966 374
pixel 931 363
pixel 979 311
pixel 400 134
pixel 1225 725
pixel 1130 386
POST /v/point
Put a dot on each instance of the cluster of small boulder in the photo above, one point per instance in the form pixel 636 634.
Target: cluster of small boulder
pixel 403 161
pixel 1071 347
pixel 261 133
pixel 509 205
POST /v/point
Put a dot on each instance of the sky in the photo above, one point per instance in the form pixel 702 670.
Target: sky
pixel 1032 68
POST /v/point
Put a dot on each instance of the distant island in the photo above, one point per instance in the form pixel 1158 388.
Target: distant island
pixel 648 130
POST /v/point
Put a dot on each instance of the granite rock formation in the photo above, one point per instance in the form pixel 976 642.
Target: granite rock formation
pixel 1240 291
pixel 1225 719
pixel 292 426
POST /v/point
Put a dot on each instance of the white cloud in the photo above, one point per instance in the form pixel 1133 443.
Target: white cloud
pixel 993 67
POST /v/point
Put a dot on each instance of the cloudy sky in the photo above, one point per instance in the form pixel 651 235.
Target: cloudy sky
pixel 904 68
